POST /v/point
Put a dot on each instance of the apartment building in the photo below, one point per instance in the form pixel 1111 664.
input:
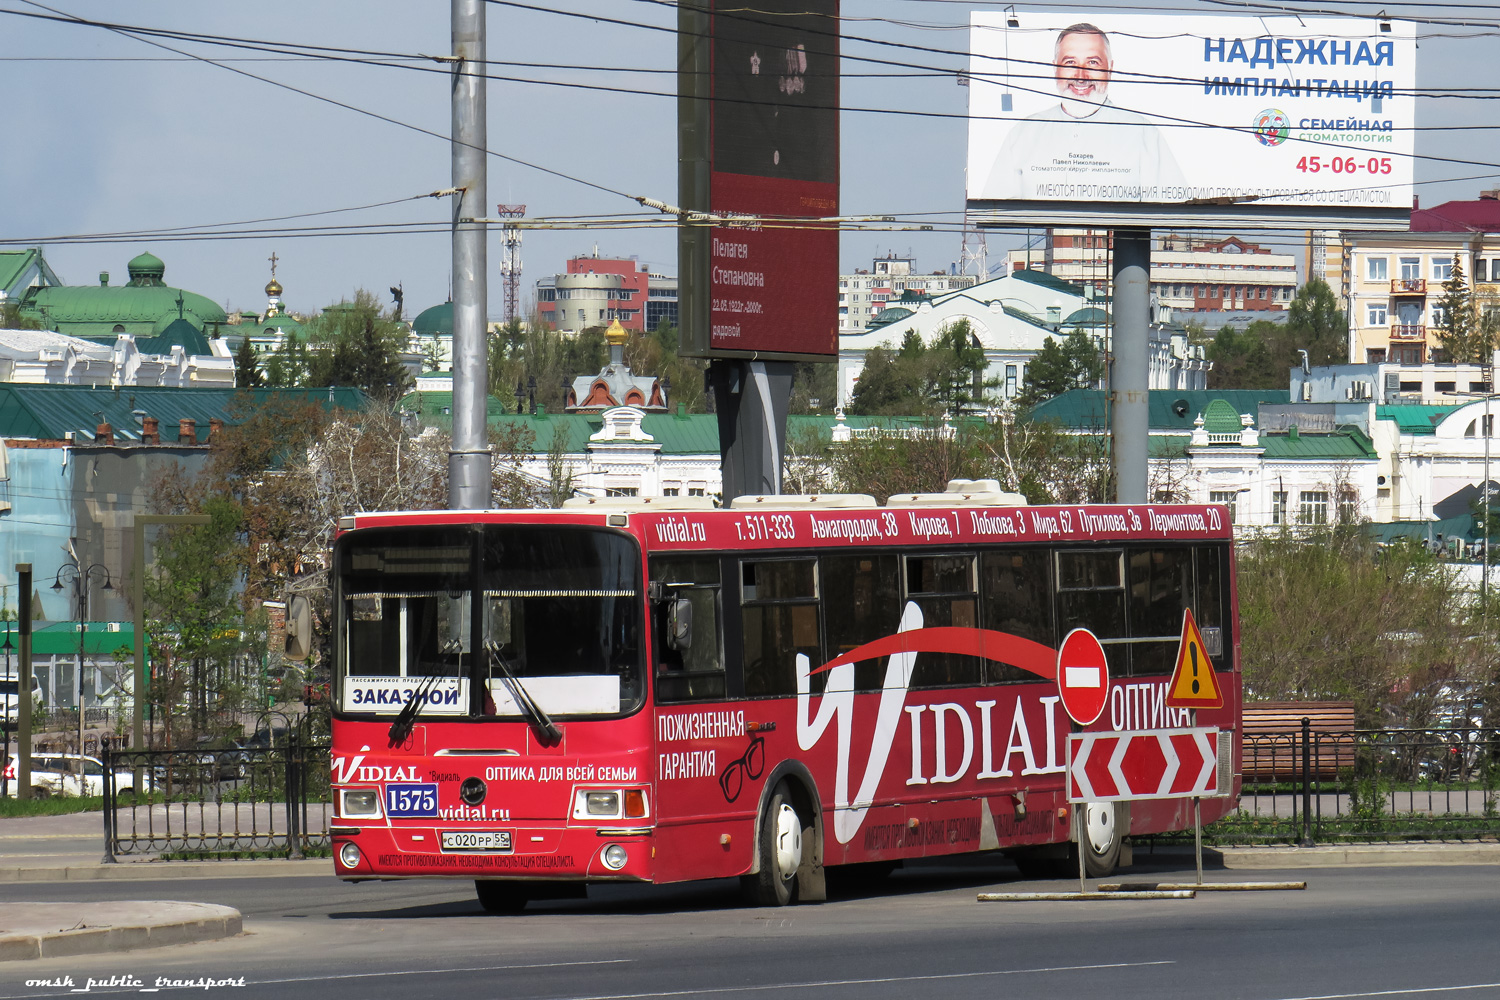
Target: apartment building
pixel 1394 285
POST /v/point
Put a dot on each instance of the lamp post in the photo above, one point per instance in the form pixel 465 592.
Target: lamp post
pixel 81 576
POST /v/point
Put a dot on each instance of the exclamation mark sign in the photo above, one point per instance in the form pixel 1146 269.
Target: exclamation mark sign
pixel 1193 655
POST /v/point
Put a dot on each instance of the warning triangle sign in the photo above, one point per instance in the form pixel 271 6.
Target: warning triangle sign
pixel 1193 682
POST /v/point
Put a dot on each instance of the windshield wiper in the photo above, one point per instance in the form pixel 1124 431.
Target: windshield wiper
pixel 406 719
pixel 546 730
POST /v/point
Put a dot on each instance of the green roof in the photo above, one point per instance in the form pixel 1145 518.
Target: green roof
pixel 1047 281
pixel 48 412
pixel 1171 410
pixel 1346 443
pixel 1220 418
pixel 61 638
pixel 1464 526
pixel 1414 418
pixel 887 316
pixel 434 321
pixel 94 310
pixel 1087 316
pixel 179 333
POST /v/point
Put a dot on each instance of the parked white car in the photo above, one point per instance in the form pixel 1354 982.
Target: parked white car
pixel 93 776
pixel 46 781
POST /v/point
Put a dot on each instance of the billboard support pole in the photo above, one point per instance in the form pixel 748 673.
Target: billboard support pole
pixel 1128 378
pixel 751 399
pixel 469 457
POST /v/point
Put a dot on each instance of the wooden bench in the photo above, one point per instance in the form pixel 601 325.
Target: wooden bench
pixel 1271 739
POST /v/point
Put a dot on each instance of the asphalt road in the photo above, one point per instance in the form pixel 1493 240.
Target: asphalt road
pixel 1387 932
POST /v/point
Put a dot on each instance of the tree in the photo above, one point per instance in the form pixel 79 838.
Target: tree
pixel 358 344
pixel 1466 332
pixel 1317 325
pixel 922 380
pixel 247 373
pixel 1073 363
pixel 1035 459
pixel 1247 360
pixel 11 318
pixel 194 623
pixel 890 383
pixel 287 365
pixel 1300 592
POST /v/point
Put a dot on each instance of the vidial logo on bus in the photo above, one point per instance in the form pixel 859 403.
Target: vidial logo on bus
pixel 836 709
pixel 977 750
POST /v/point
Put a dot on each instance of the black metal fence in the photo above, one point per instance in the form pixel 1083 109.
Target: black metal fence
pixel 218 801
pixel 1366 786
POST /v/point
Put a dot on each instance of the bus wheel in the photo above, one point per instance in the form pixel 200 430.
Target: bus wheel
pixel 500 897
pixel 1105 825
pixel 779 848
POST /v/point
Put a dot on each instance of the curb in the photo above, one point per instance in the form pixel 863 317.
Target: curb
pixel 1334 856
pixel 168 869
pixel 170 923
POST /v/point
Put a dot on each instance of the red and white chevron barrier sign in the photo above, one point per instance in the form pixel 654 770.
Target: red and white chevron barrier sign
pixel 1155 764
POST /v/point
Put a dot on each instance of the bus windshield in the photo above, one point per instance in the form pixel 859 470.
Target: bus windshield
pixel 558 621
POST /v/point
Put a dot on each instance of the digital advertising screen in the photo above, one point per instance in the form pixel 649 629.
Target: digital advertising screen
pixel 1166 117
pixel 774 159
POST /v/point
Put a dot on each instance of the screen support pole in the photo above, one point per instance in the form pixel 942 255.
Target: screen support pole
pixel 1128 378
pixel 751 399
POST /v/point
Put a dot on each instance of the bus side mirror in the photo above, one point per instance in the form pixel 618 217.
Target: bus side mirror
pixel 680 624
pixel 298 629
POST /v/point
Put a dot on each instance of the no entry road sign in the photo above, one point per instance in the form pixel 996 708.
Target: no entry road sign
pixel 1156 764
pixel 1082 676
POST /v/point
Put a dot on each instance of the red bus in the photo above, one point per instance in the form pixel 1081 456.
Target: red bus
pixel 657 690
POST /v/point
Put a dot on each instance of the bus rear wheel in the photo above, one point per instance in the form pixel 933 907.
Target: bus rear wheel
pixel 779 851
pixel 500 897
pixel 1105 825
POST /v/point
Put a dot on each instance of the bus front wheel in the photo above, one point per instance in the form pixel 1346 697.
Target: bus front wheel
pixel 779 849
pixel 500 897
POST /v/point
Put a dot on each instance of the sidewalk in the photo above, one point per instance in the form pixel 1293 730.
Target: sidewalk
pixel 54 930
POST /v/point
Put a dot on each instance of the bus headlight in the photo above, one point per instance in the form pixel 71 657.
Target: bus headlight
pixel 614 857
pixel 610 803
pixel 349 855
pixel 360 802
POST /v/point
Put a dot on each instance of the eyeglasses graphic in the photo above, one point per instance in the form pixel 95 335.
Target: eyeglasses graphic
pixel 752 763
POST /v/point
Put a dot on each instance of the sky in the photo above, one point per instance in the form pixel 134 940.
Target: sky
pixel 110 134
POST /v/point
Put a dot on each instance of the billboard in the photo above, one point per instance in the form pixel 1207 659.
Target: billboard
pixel 1141 119
pixel 759 140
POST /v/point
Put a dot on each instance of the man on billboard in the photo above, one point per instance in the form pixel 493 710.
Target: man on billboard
pixel 1083 139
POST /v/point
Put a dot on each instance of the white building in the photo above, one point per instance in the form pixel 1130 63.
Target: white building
pixel 1011 317
pixel 1188 273
pixel 864 294
pixel 42 357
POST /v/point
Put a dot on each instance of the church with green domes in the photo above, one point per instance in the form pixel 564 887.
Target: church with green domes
pixel 145 306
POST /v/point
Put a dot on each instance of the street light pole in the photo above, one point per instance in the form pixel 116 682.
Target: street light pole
pixel 81 578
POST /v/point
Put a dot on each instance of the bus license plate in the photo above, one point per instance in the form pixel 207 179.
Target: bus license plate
pixel 476 840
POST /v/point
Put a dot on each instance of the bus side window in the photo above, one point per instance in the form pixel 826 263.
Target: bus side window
pixel 1213 597
pixel 694 672
pixel 1161 585
pixel 946 589
pixel 1017 589
pixel 862 603
pixel 779 614
pixel 1091 595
